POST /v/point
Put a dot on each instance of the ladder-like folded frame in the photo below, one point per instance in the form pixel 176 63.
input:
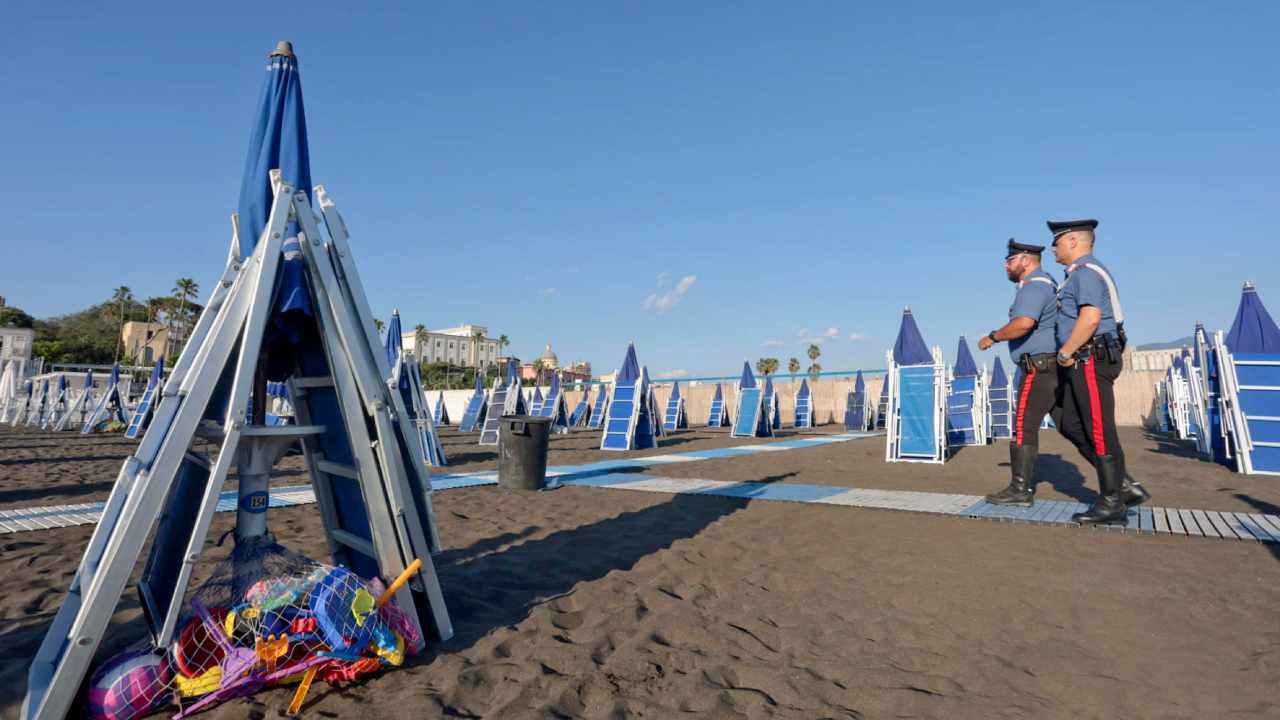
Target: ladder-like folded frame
pixel 1250 403
pixel 368 472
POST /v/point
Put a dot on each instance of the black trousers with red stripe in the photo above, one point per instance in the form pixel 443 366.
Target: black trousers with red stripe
pixel 1037 396
pixel 1086 410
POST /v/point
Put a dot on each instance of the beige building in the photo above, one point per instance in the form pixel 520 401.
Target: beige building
pixel 466 345
pixel 1156 360
pixel 573 372
pixel 15 346
pixel 143 342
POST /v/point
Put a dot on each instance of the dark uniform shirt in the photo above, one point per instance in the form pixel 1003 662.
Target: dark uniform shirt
pixel 1036 299
pixel 1084 286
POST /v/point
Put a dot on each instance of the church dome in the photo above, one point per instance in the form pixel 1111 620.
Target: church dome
pixel 549 358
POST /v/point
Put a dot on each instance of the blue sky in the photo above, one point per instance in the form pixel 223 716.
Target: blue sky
pixel 715 181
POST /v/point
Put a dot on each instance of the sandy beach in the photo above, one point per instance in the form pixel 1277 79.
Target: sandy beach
pixel 599 603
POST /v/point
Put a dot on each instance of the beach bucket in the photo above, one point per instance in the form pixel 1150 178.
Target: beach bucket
pixel 522 452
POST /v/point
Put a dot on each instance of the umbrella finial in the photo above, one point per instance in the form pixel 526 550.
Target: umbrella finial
pixel 284 47
pixel 1248 285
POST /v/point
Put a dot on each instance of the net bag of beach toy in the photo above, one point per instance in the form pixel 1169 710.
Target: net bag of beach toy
pixel 268 617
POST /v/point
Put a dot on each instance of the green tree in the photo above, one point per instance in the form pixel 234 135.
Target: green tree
pixel 13 317
pixel 184 289
pixel 476 338
pixel 767 366
pixel 814 368
pixel 420 340
pixel 793 366
pixel 122 295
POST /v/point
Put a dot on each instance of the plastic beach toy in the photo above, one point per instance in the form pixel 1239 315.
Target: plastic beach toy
pixel 129 685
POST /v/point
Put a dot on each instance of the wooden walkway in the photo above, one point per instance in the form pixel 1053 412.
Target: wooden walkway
pixel 1225 525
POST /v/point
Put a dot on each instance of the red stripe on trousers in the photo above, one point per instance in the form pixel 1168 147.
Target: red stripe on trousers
pixel 1022 400
pixel 1095 407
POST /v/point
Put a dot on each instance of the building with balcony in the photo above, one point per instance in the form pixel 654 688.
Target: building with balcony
pixel 465 345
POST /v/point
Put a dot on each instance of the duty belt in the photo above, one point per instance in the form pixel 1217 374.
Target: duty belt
pixel 1102 347
pixel 1040 362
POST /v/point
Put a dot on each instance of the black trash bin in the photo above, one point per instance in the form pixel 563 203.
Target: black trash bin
pixel 522 452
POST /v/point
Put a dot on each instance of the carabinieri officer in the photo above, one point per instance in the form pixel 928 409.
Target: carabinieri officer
pixel 1030 334
pixel 1091 340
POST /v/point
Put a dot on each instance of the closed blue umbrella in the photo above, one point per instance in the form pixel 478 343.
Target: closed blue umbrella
pixel 630 370
pixel 394 342
pixel 965 366
pixel 748 380
pixel 1253 330
pixel 909 348
pixel 278 140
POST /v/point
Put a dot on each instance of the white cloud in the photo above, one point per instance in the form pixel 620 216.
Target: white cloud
pixel 772 344
pixel 670 298
pixel 663 277
pixel 807 338
pixel 857 337
pixel 674 374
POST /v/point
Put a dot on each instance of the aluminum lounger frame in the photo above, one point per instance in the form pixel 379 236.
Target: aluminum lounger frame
pixel 475 412
pixel 804 411
pixel 600 408
pixel 675 418
pixel 721 418
pixel 235 316
pixel 505 399
pixel 1237 419
pixel 976 408
pixel 1000 418
pixel 628 430
pixel 893 421
pixel 419 412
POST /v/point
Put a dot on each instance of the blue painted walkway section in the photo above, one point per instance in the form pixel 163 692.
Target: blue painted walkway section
pixel 611 474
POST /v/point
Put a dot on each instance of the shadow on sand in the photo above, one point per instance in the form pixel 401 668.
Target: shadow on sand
pixel 489 589
pixel 1166 444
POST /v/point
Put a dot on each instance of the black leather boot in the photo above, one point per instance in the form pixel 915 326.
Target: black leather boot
pixel 1131 492
pixel 1021 488
pixel 1109 507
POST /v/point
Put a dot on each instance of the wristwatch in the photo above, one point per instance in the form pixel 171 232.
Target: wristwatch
pixel 1064 358
pixel 992 335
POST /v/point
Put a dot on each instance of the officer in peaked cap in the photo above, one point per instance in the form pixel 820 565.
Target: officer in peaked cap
pixel 1030 334
pixel 1091 340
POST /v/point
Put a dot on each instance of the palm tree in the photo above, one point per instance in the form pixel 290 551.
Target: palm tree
pixel 814 369
pixel 503 342
pixel 793 366
pixel 122 295
pixel 477 337
pixel 419 340
pixel 184 288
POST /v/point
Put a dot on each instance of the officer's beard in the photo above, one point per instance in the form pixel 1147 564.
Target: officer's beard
pixel 1015 277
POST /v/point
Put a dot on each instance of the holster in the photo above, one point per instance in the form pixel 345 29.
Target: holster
pixel 1040 362
pixel 1107 348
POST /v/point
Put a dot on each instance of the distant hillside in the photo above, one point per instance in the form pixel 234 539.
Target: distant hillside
pixel 1171 345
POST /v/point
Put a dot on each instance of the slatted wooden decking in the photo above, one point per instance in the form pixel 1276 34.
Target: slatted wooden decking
pixel 1256 527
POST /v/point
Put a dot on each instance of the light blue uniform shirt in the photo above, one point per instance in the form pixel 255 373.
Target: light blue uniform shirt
pixel 1084 286
pixel 1037 299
